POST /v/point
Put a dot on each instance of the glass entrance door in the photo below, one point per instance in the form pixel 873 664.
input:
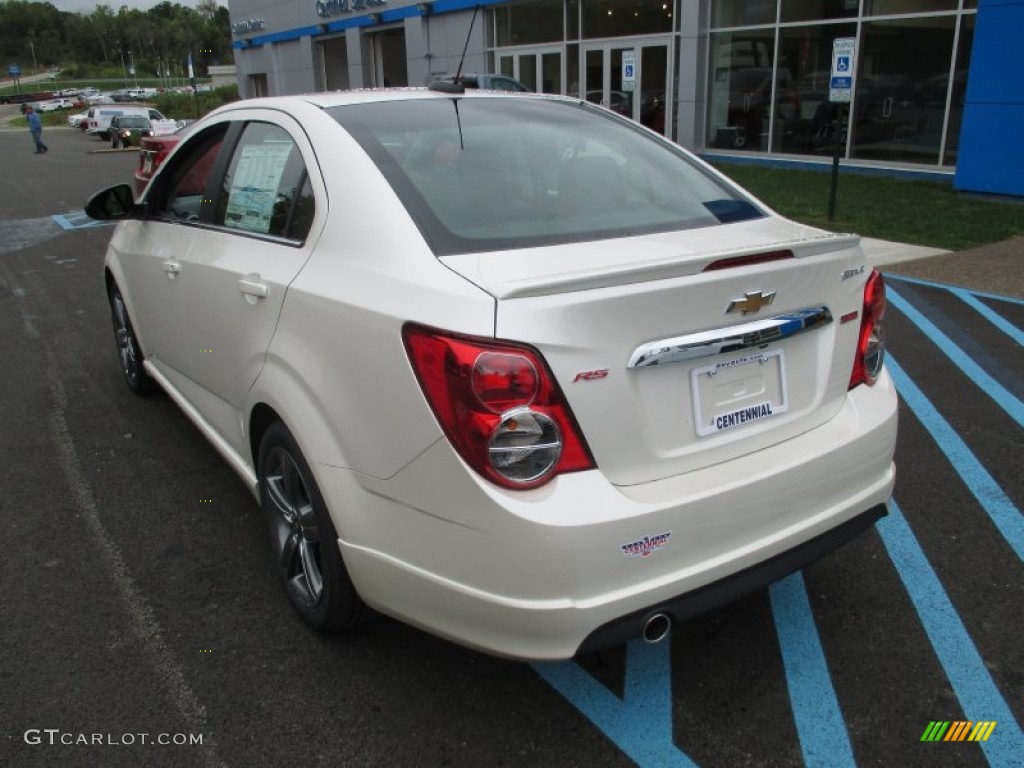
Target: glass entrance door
pixel 539 69
pixel 633 79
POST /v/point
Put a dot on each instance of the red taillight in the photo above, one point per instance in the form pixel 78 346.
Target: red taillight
pixel 498 405
pixel 867 365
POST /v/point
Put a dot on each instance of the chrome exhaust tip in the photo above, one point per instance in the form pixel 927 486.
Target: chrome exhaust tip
pixel 656 628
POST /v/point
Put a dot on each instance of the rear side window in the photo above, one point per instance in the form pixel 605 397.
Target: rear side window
pixel 266 189
pixel 499 173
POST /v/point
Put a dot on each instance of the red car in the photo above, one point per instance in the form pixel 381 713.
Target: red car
pixel 152 152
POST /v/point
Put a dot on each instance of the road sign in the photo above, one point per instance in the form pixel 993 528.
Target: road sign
pixel 629 70
pixel 844 56
pixel 14 70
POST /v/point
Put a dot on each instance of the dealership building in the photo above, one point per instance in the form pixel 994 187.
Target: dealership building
pixel 936 90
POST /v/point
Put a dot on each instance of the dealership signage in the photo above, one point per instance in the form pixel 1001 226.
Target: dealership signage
pixel 327 8
pixel 249 25
pixel 844 54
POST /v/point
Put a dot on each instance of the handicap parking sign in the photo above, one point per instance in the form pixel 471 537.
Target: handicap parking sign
pixel 844 50
pixel 628 70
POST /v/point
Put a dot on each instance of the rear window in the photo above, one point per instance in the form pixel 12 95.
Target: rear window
pixel 480 174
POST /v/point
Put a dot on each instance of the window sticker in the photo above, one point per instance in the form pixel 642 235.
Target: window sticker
pixel 254 186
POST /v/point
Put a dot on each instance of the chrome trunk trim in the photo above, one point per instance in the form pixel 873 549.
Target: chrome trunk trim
pixel 719 341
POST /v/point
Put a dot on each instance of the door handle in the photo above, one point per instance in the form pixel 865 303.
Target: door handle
pixel 253 287
pixel 172 268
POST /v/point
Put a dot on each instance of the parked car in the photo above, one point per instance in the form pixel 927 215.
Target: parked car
pixel 55 105
pixel 487 82
pixel 74 121
pixel 98 122
pixel 128 130
pixel 546 382
pixel 153 151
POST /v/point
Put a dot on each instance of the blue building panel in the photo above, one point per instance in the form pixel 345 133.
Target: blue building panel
pixel 991 156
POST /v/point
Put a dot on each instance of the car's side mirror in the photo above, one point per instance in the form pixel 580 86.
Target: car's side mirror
pixel 113 204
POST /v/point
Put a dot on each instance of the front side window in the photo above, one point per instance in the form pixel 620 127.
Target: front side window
pixel 266 189
pixel 497 173
pixel 180 193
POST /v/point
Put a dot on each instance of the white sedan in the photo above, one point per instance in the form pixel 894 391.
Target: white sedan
pixel 510 368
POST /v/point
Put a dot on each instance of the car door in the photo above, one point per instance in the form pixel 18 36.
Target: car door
pixel 266 205
pixel 150 254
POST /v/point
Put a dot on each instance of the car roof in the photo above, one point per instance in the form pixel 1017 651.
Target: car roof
pixel 329 99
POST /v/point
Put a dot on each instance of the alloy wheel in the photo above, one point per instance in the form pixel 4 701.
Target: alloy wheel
pixel 294 531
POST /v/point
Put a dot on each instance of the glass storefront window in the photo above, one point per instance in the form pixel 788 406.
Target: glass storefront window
pixel 814 10
pixel 803 114
pixel 539 21
pixel 902 78
pixel 959 92
pixel 572 70
pixel 551 73
pixel 619 18
pixel 572 20
pixel 894 7
pixel 739 111
pixel 742 13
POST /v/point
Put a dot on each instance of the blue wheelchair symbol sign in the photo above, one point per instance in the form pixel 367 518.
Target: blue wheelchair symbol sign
pixel 628 73
pixel 843 64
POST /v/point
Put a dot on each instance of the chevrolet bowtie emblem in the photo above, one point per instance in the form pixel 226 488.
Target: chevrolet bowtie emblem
pixel 751 302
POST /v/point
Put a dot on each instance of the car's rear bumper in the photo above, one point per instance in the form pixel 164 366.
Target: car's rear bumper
pixel 545 573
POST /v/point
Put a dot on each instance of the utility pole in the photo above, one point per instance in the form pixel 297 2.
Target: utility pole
pixel 35 66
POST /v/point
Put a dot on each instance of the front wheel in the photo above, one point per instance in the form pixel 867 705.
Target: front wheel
pixel 303 541
pixel 128 350
pixel 114 143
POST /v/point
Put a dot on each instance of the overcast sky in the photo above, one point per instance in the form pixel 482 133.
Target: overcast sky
pixel 86 6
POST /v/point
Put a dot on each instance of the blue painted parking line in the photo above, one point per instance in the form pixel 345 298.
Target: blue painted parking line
pixel 989 314
pixel 963 665
pixel 1003 512
pixel 953 288
pixel 78 220
pixel 640 723
pixel 971 299
pixel 819 721
pixel 999 394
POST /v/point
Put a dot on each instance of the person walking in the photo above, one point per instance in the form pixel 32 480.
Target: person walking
pixel 35 127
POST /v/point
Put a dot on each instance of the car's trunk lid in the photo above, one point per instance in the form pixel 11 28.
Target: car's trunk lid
pixel 660 376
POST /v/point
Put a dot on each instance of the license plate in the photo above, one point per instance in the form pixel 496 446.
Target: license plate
pixel 147 165
pixel 734 393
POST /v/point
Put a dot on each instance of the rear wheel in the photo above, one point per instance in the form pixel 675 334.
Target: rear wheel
pixel 303 541
pixel 128 350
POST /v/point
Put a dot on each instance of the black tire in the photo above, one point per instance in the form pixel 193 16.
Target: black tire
pixel 115 143
pixel 128 350
pixel 304 543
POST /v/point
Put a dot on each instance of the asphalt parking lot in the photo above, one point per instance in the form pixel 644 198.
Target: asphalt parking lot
pixel 138 605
